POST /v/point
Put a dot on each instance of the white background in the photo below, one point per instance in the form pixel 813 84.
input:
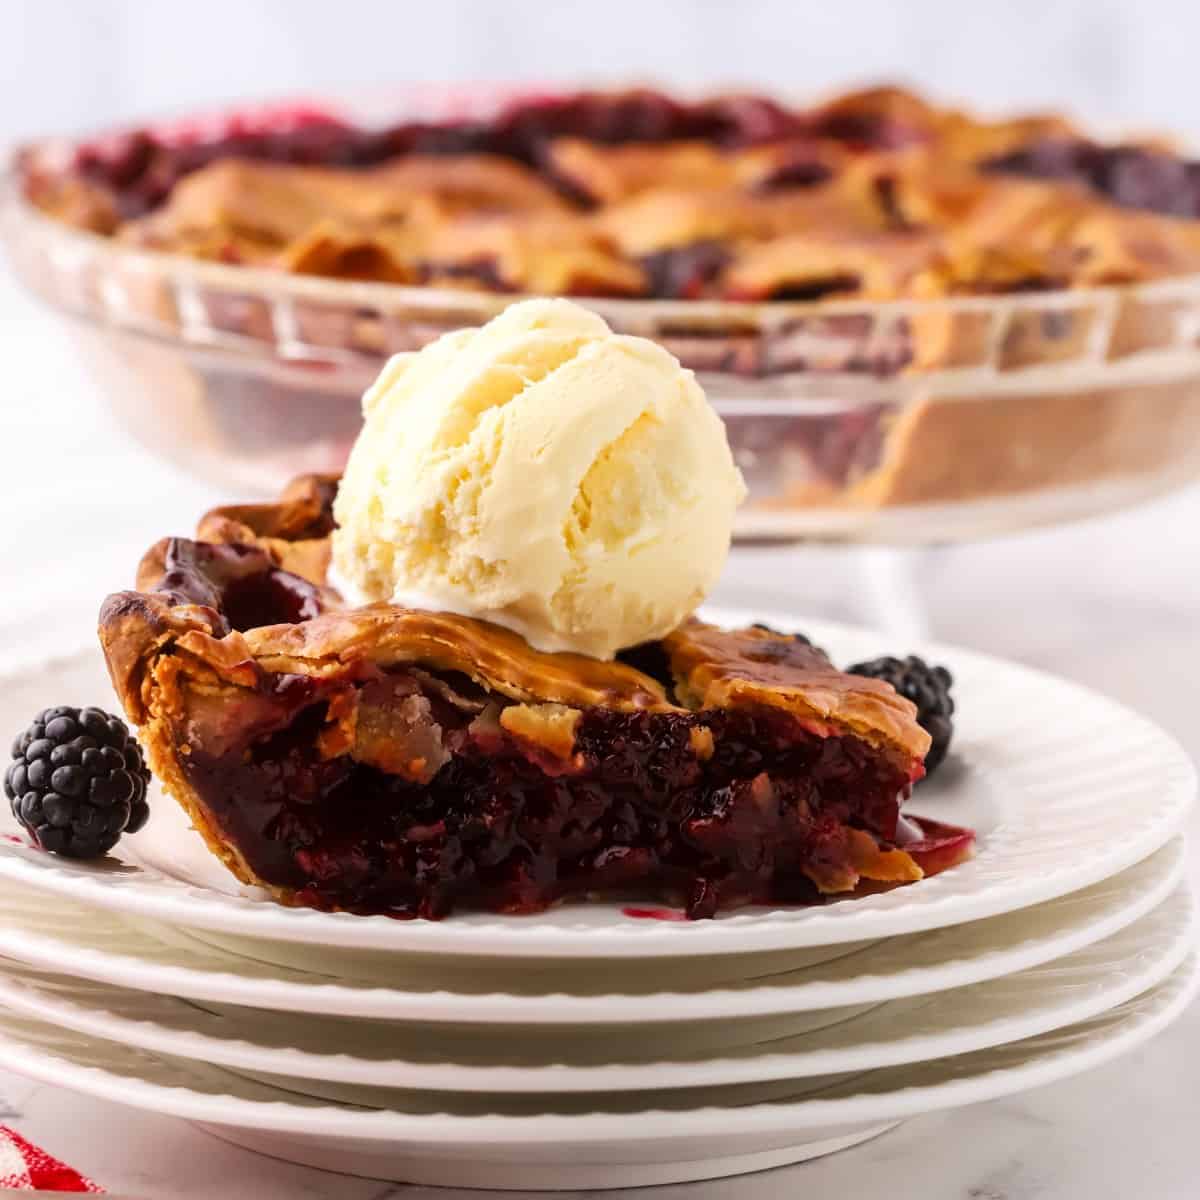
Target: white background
pixel 66 63
pixel 1113 603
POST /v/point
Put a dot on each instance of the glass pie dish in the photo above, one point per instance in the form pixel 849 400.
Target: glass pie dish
pixel 908 421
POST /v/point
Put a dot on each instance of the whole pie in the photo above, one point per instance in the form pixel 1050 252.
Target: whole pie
pixel 965 286
pixel 387 760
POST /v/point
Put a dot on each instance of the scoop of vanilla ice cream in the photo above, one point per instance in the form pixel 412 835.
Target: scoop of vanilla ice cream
pixel 542 473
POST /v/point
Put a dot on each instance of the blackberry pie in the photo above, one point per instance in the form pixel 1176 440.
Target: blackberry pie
pixel 383 759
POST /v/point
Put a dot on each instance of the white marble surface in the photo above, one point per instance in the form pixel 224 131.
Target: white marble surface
pixel 1113 603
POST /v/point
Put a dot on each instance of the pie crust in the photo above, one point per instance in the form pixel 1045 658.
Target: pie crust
pixel 384 759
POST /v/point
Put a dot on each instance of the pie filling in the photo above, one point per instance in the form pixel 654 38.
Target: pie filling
pixel 408 794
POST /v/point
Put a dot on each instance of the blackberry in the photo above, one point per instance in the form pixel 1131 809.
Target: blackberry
pixel 77 781
pixel 928 688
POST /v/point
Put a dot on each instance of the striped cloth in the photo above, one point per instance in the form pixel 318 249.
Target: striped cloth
pixel 26 1167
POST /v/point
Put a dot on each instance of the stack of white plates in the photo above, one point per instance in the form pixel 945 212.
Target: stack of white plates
pixel 595 1045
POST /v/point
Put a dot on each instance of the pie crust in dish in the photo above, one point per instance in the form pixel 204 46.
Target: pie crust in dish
pixel 918 324
pixel 877 195
pixel 383 759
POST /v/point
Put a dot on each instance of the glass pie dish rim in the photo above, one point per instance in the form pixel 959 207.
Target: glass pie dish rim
pixel 712 317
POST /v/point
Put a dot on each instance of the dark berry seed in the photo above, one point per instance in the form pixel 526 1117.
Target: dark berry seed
pixel 88 820
pixel 139 814
pixel 118 817
pixel 62 728
pixel 102 790
pixel 92 760
pixel 58 810
pixel 95 723
pixel 62 756
pixel 133 758
pixel 54 840
pixel 38 773
pixel 31 809
pixel 70 780
pixel 113 759
pixel 38 748
pixel 95 846
pixel 16 782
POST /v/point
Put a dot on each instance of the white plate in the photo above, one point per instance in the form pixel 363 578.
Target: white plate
pixel 1065 787
pixel 349 1061
pixel 61 936
pixel 565 1141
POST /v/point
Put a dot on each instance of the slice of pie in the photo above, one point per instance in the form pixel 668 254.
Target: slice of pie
pixel 384 759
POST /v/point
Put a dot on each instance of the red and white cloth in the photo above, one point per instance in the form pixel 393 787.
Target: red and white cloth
pixel 26 1167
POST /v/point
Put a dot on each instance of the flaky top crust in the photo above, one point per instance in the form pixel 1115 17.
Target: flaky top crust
pixel 581 208
pixel 712 668
pixel 719 668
